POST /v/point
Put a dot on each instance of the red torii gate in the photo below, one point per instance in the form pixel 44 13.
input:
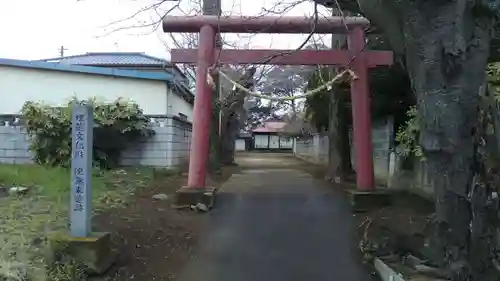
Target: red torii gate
pixel 358 59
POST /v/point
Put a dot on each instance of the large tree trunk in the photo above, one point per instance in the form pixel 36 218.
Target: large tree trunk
pixel 228 137
pixel 339 146
pixel 214 161
pixel 446 47
pixel 228 123
pixel 446 61
pixel 213 7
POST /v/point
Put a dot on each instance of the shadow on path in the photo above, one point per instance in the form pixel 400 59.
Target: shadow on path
pixel 277 225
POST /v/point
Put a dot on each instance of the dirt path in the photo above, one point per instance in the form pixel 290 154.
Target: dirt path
pixel 275 222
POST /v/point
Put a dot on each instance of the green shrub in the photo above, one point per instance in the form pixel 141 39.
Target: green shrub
pixel 118 125
pixel 407 135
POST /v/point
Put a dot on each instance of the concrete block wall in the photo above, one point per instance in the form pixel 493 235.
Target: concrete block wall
pixel 315 148
pixel 388 167
pixel 382 141
pixel 415 179
pixel 14 144
pixel 168 147
pixel 180 144
pixel 306 148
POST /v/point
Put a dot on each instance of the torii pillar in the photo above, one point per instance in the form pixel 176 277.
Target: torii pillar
pixel 355 58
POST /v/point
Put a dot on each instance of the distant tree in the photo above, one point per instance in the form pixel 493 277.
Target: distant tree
pixel 285 81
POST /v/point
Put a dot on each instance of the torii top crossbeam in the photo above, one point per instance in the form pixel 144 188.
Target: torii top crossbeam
pixel 268 24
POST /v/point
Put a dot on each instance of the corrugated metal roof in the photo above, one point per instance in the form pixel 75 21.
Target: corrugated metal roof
pixel 270 127
pixel 107 71
pixel 114 58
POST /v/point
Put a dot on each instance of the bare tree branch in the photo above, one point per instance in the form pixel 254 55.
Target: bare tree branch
pixel 123 24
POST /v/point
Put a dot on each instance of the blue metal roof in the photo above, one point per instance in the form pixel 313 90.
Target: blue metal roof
pixel 114 72
pixel 119 59
pixel 113 58
pixel 163 76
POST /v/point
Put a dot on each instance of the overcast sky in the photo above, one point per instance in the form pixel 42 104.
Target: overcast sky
pixel 35 29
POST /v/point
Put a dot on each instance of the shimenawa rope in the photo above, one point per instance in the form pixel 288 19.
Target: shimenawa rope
pixel 339 77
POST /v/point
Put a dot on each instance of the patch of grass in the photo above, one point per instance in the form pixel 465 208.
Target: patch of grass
pixel 55 183
pixel 25 220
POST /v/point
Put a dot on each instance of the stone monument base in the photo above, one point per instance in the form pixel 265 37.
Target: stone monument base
pixel 362 201
pixel 186 197
pixel 93 252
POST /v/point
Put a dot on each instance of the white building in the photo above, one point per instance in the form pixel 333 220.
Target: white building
pixel 160 92
pixel 269 136
pixel 157 93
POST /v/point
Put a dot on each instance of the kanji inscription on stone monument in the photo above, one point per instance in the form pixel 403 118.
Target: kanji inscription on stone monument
pixel 81 170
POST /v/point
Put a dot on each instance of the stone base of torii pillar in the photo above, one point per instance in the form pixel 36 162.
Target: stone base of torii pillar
pixel 201 199
pixel 363 201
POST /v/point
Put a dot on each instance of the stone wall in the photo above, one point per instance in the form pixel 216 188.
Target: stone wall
pixel 168 147
pixel 315 148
